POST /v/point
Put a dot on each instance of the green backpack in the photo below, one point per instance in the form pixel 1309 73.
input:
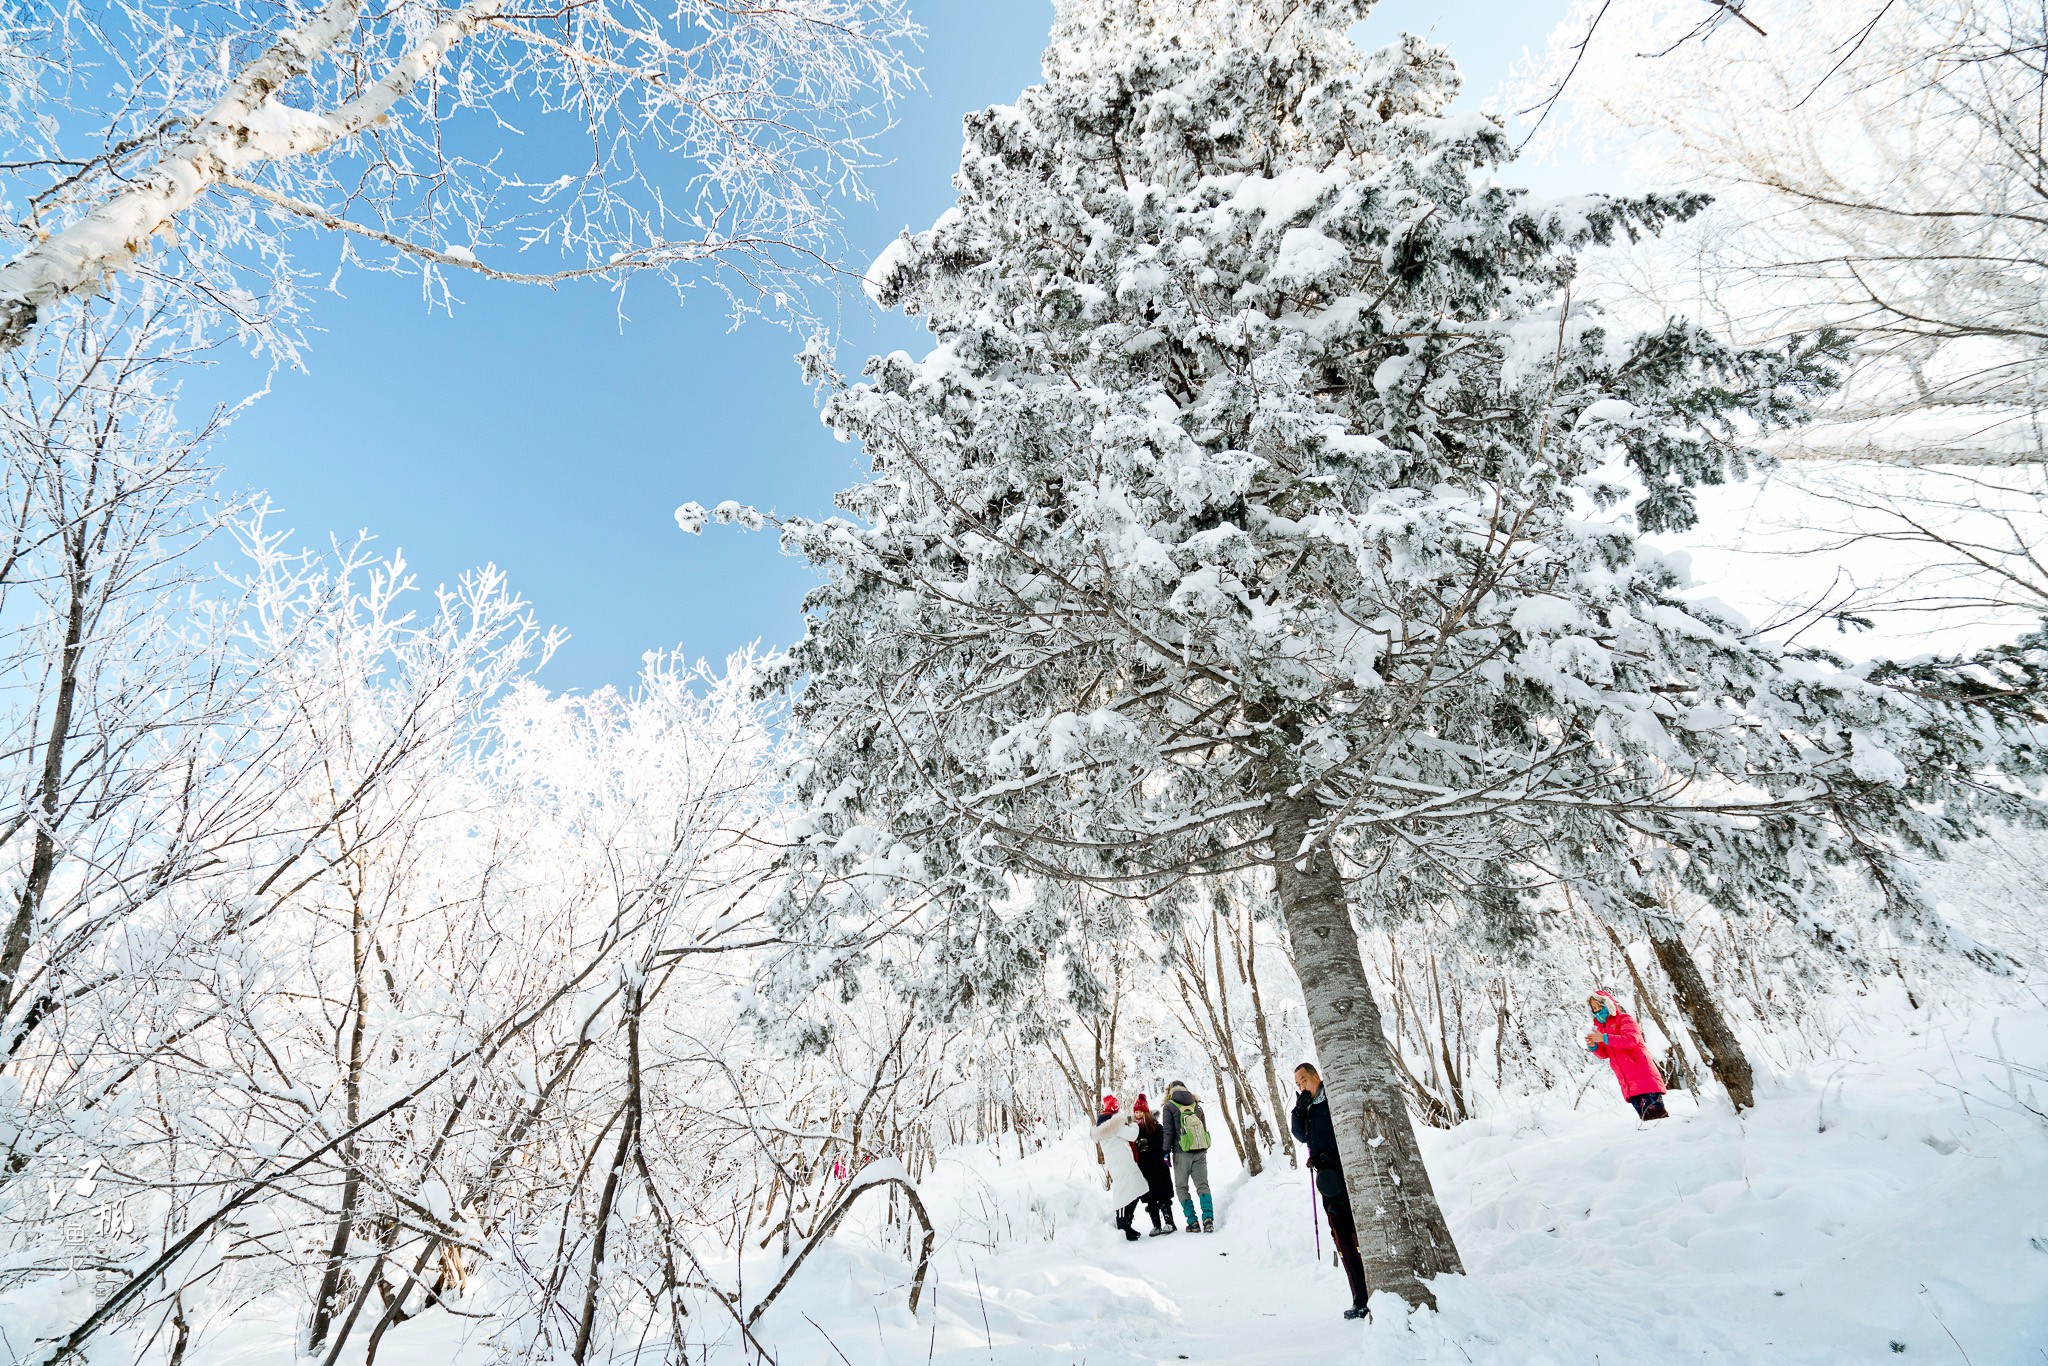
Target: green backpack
pixel 1194 1135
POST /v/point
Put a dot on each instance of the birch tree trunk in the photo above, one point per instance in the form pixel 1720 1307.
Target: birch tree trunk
pixel 1402 1235
pixel 326 1299
pixel 1247 967
pixel 1729 1064
pixel 1247 1153
pixel 49 797
pixel 1258 1134
pixel 1208 1020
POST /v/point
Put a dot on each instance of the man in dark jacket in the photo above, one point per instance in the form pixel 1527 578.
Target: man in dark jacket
pixel 1312 1125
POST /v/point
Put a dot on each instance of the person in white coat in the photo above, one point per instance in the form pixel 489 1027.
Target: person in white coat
pixel 1113 1133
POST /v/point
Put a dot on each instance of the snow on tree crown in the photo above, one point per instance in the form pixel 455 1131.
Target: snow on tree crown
pixel 1261 447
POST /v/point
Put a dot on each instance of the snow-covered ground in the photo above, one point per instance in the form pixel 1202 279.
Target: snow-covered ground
pixel 1891 1204
pixel 1888 1204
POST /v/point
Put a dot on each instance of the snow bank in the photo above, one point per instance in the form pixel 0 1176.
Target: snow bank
pixel 1900 1199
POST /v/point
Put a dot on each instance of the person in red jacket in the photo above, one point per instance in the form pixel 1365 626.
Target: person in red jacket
pixel 1616 1037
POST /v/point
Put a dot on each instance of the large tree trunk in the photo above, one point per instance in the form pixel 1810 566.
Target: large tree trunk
pixel 1725 1057
pixel 1402 1235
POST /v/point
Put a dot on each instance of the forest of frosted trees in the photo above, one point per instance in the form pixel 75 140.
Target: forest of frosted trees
pixel 1263 631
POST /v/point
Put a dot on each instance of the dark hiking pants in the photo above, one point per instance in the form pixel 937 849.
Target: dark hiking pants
pixel 1344 1233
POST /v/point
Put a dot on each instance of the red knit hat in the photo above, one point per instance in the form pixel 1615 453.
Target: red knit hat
pixel 1140 1107
pixel 1109 1105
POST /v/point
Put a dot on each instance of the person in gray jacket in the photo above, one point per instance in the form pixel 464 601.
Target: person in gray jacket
pixel 1187 1139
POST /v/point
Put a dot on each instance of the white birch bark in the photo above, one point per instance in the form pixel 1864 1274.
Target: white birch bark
pixel 423 136
pixel 247 126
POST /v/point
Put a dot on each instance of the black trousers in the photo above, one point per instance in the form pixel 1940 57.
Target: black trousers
pixel 1344 1233
pixel 1158 1196
pixel 1123 1216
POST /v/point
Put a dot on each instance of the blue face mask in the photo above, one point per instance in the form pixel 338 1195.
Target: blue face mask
pixel 1600 1015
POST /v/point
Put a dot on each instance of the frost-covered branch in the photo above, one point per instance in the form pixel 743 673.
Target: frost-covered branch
pixel 437 137
pixel 1878 168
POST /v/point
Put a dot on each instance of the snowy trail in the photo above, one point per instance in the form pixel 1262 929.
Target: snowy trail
pixel 1218 1298
pixel 1212 1306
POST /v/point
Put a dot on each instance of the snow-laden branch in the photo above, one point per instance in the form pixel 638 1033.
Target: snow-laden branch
pixel 247 126
pixel 881 1174
pixel 703 141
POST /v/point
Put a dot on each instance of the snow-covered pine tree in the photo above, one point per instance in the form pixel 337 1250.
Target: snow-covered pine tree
pixel 1265 500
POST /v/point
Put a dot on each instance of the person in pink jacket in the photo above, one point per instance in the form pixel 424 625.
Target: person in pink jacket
pixel 1616 1037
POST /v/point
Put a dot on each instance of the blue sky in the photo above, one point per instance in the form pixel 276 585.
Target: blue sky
pixel 536 430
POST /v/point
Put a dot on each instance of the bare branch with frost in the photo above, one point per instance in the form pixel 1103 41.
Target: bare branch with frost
pixel 536 144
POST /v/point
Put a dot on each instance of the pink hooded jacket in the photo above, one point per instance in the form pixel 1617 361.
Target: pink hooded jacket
pixel 1621 1043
